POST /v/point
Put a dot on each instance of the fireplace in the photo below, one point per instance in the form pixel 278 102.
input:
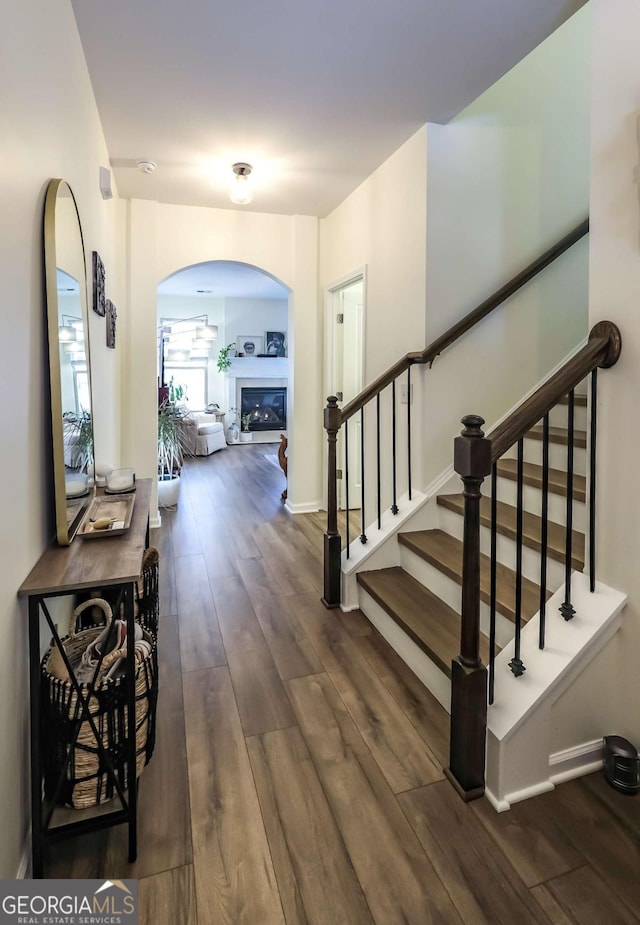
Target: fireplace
pixel 267 407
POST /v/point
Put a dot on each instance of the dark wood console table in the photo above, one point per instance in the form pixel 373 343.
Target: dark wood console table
pixel 110 561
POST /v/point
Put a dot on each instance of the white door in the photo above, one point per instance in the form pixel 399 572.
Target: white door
pixel 348 343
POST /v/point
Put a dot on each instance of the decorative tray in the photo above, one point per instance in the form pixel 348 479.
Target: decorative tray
pixel 118 509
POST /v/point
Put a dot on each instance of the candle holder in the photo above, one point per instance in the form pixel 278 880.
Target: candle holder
pixel 120 481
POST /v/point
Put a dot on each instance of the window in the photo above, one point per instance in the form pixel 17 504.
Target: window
pixel 194 380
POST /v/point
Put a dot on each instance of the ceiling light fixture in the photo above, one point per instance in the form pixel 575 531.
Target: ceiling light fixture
pixel 240 190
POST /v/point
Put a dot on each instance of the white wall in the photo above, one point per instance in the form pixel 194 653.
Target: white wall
pixel 507 178
pixel 382 225
pixel 166 238
pixel 255 316
pixel 614 288
pixel 50 128
pixel 172 306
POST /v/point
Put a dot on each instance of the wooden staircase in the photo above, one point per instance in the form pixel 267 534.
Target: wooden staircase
pixel 422 595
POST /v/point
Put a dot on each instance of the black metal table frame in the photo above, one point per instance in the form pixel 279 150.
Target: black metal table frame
pixel 41 816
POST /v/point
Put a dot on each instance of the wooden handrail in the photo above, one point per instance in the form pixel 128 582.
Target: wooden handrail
pixel 602 350
pixel 429 354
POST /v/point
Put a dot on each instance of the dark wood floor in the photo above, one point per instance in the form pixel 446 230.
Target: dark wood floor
pixel 298 771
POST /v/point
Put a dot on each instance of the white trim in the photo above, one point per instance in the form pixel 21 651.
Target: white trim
pixel 576 761
pixel 24 868
pixel 303 507
pixel 155 521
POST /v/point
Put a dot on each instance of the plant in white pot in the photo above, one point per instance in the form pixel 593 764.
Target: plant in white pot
pixel 245 434
pixel 172 442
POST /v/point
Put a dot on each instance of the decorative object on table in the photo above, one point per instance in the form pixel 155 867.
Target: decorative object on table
pixel 212 408
pixel 111 315
pixel 172 444
pixel 282 459
pixel 225 354
pixel 99 301
pixel 245 434
pixel 249 345
pixel 70 748
pixel 120 481
pixel 275 344
pixel 621 764
pixel 108 515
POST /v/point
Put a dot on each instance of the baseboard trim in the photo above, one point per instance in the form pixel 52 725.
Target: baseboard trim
pixel 24 868
pixel 155 522
pixel 575 762
pixel 303 508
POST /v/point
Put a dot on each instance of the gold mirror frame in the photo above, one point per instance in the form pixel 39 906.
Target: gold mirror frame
pixel 71 412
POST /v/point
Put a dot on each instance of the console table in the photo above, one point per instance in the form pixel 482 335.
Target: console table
pixel 99 562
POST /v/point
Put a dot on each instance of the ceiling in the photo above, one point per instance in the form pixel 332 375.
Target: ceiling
pixel 315 95
pixel 223 279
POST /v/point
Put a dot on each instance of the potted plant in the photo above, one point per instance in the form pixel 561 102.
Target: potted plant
pixel 245 435
pixel 78 439
pixel 172 442
pixel 224 357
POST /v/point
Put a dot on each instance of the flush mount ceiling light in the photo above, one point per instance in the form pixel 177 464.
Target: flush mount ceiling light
pixel 240 190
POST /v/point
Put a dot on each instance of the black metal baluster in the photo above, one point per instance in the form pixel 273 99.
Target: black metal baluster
pixel 346 481
pixel 378 456
pixel 592 482
pixel 363 535
pixel 492 603
pixel 516 665
pixel 544 531
pixel 409 430
pixel 394 506
pixel 566 608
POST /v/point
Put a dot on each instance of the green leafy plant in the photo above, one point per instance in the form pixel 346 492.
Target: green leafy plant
pixel 172 440
pixel 224 360
pixel 176 392
pixel 78 437
pixel 246 421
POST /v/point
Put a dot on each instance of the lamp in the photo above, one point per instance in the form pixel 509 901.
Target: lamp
pixel 207 332
pixel 240 191
pixel 67 334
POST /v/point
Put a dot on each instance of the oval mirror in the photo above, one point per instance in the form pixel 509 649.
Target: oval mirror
pixel 69 371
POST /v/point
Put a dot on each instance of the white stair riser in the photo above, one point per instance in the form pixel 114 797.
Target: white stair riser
pixel 557 456
pixel 427 671
pixel 558 417
pixel 452 523
pixel 532 502
pixel 450 592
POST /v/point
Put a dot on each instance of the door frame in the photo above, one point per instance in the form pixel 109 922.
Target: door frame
pixel 359 273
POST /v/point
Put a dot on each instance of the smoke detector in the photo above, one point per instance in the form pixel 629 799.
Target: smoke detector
pixel 146 166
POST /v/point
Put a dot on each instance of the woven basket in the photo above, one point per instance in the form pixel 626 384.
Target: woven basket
pixel 147 591
pixel 87 781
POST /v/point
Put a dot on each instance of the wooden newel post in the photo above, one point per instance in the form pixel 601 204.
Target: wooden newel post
pixel 472 462
pixel 332 541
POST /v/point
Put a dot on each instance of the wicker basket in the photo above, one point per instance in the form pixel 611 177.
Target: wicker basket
pixel 147 591
pixel 87 781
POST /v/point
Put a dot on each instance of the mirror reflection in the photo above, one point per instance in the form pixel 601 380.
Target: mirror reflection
pixel 68 359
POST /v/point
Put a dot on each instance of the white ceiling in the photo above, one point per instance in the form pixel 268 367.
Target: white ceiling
pixel 223 279
pixel 315 94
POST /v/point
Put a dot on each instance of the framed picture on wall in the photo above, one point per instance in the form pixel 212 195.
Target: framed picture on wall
pixel 275 344
pixel 98 285
pixel 111 313
pixel 249 345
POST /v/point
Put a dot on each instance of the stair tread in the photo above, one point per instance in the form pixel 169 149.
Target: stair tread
pixel 427 620
pixel 531 528
pixel 444 552
pixel 559 435
pixel 532 474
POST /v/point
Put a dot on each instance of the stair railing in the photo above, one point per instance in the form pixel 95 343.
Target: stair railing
pixel 475 457
pixel 335 417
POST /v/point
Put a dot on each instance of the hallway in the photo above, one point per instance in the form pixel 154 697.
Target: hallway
pixel 297 776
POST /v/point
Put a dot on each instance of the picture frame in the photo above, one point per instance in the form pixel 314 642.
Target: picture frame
pixel 275 344
pixel 99 301
pixel 249 345
pixel 111 315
